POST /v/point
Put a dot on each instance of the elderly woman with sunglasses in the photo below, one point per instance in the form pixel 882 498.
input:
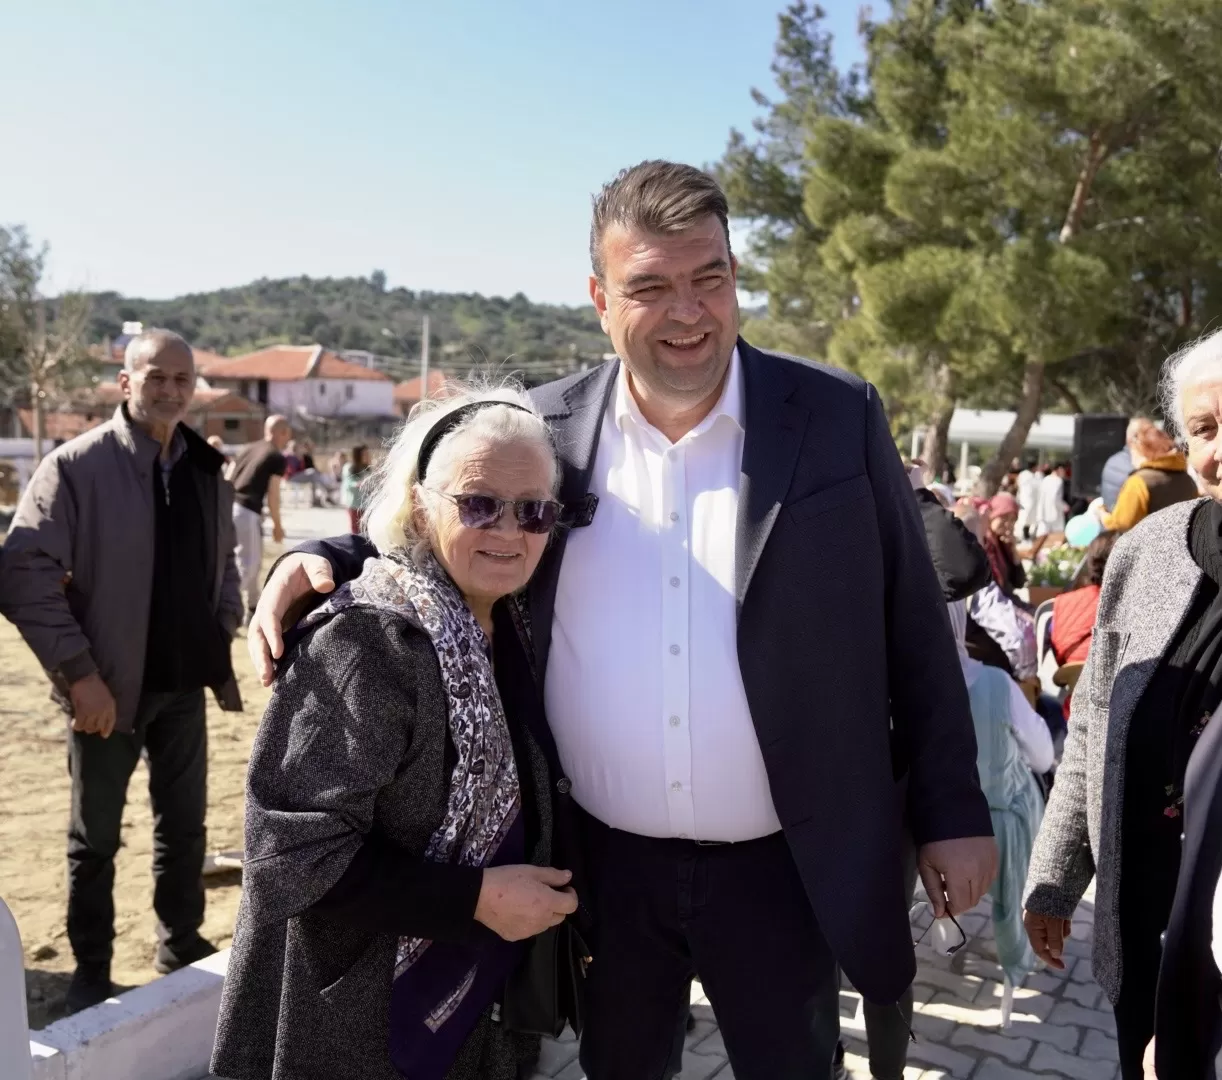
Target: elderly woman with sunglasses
pixel 1152 681
pixel 398 820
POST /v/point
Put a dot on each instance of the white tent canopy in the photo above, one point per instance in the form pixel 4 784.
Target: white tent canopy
pixel 987 427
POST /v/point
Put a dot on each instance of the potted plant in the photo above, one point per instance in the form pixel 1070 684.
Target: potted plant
pixel 1052 573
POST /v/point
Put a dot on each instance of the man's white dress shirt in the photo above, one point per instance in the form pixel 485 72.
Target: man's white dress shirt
pixel 1050 505
pixel 1217 926
pixel 643 690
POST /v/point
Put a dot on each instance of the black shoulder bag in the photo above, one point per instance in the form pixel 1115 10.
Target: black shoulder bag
pixel 547 989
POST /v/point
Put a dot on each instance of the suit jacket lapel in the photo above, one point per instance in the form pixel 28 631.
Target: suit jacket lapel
pixel 576 425
pixel 774 429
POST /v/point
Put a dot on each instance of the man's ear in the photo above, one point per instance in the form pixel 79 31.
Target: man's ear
pixel 598 294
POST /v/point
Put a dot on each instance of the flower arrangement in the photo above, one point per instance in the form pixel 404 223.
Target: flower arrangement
pixel 1056 567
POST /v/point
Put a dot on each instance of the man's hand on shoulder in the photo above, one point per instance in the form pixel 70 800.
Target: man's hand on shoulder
pixel 294 579
pixel 957 873
pixel 93 706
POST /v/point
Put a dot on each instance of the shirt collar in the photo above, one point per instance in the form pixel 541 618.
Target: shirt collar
pixel 729 405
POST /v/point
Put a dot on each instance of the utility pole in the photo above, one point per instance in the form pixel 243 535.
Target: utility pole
pixel 424 359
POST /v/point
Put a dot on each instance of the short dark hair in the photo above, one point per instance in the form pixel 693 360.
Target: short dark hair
pixel 1097 553
pixel 660 197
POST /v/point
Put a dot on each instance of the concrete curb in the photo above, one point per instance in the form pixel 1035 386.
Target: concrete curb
pixel 161 1031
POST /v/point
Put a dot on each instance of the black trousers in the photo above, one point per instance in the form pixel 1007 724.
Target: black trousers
pixel 736 913
pixel 172 729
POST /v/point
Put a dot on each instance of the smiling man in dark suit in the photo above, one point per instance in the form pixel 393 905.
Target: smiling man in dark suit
pixel 748 670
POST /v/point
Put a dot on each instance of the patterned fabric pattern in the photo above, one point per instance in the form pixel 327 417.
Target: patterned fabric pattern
pixel 485 793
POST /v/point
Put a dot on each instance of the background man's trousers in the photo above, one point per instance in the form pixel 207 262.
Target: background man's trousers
pixel 736 913
pixel 248 530
pixel 172 729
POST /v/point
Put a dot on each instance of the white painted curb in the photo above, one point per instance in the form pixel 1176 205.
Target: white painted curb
pixel 161 1031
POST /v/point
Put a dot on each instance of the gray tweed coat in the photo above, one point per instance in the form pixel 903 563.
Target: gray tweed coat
pixel 355 736
pixel 1149 586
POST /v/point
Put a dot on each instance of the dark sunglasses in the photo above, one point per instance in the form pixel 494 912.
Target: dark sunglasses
pixel 484 511
pixel 947 947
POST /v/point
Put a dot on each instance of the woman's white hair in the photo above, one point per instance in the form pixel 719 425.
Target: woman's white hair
pixel 1194 365
pixel 391 518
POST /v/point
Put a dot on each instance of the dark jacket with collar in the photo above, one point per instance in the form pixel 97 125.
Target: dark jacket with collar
pixel 1188 1029
pixel 846 651
pixel 76 570
pixel 960 562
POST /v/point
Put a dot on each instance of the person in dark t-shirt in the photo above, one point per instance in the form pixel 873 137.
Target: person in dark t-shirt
pixel 256 474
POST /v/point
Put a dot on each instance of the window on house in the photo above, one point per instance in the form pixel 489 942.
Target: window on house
pixel 232 425
pixel 322 389
pixel 349 391
pixel 262 391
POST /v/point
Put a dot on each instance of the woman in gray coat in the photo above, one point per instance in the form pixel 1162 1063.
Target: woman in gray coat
pixel 1153 678
pixel 398 822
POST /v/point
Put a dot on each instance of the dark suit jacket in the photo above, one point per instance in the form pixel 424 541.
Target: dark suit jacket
pixel 1188 1022
pixel 844 644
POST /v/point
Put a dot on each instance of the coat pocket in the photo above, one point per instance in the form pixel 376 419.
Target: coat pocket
pixel 367 977
pixel 830 498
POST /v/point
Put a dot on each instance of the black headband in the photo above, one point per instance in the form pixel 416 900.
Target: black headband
pixel 448 423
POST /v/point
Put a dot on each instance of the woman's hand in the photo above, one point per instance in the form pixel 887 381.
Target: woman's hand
pixel 518 902
pixel 1047 934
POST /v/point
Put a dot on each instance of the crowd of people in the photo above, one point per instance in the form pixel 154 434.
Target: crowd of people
pixel 668 670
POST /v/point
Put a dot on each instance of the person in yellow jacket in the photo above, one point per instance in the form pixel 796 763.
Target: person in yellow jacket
pixel 1159 478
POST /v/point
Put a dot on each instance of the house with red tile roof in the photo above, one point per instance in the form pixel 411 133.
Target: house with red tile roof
pixel 304 381
pixel 212 412
pixel 407 394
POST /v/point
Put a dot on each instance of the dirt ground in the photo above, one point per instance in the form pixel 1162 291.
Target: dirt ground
pixel 34 795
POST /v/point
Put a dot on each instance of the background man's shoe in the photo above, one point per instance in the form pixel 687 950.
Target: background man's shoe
pixel 839 1072
pixel 172 959
pixel 90 986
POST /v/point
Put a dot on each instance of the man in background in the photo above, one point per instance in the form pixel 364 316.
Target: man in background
pixel 1119 466
pixel 1027 494
pixel 119 572
pixel 1050 505
pixel 256 475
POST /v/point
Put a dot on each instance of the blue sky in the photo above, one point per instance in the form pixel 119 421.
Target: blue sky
pixel 167 147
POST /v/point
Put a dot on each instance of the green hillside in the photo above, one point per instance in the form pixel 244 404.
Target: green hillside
pixel 350 313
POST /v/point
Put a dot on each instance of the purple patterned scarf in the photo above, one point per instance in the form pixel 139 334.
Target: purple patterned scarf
pixel 485 795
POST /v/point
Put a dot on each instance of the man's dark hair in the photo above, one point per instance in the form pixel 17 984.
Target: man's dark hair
pixel 659 197
pixel 1097 554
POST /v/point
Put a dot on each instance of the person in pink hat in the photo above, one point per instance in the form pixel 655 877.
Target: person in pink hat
pixel 1007 567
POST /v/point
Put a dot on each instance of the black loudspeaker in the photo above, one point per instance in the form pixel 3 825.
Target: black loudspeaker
pixel 1096 437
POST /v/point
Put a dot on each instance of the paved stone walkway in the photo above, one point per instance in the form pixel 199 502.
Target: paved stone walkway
pixel 1061 1026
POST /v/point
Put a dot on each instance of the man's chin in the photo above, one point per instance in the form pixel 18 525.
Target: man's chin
pixel 694 375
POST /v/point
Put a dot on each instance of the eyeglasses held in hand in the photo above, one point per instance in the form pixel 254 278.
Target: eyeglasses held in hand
pixel 484 511
pixel 944 940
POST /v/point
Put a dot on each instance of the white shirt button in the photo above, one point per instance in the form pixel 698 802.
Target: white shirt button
pixel 674 650
pixel 674 515
pixel 676 786
pixel 675 721
pixel 674 583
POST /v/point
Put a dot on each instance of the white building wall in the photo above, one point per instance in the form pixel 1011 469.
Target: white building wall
pixel 323 397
